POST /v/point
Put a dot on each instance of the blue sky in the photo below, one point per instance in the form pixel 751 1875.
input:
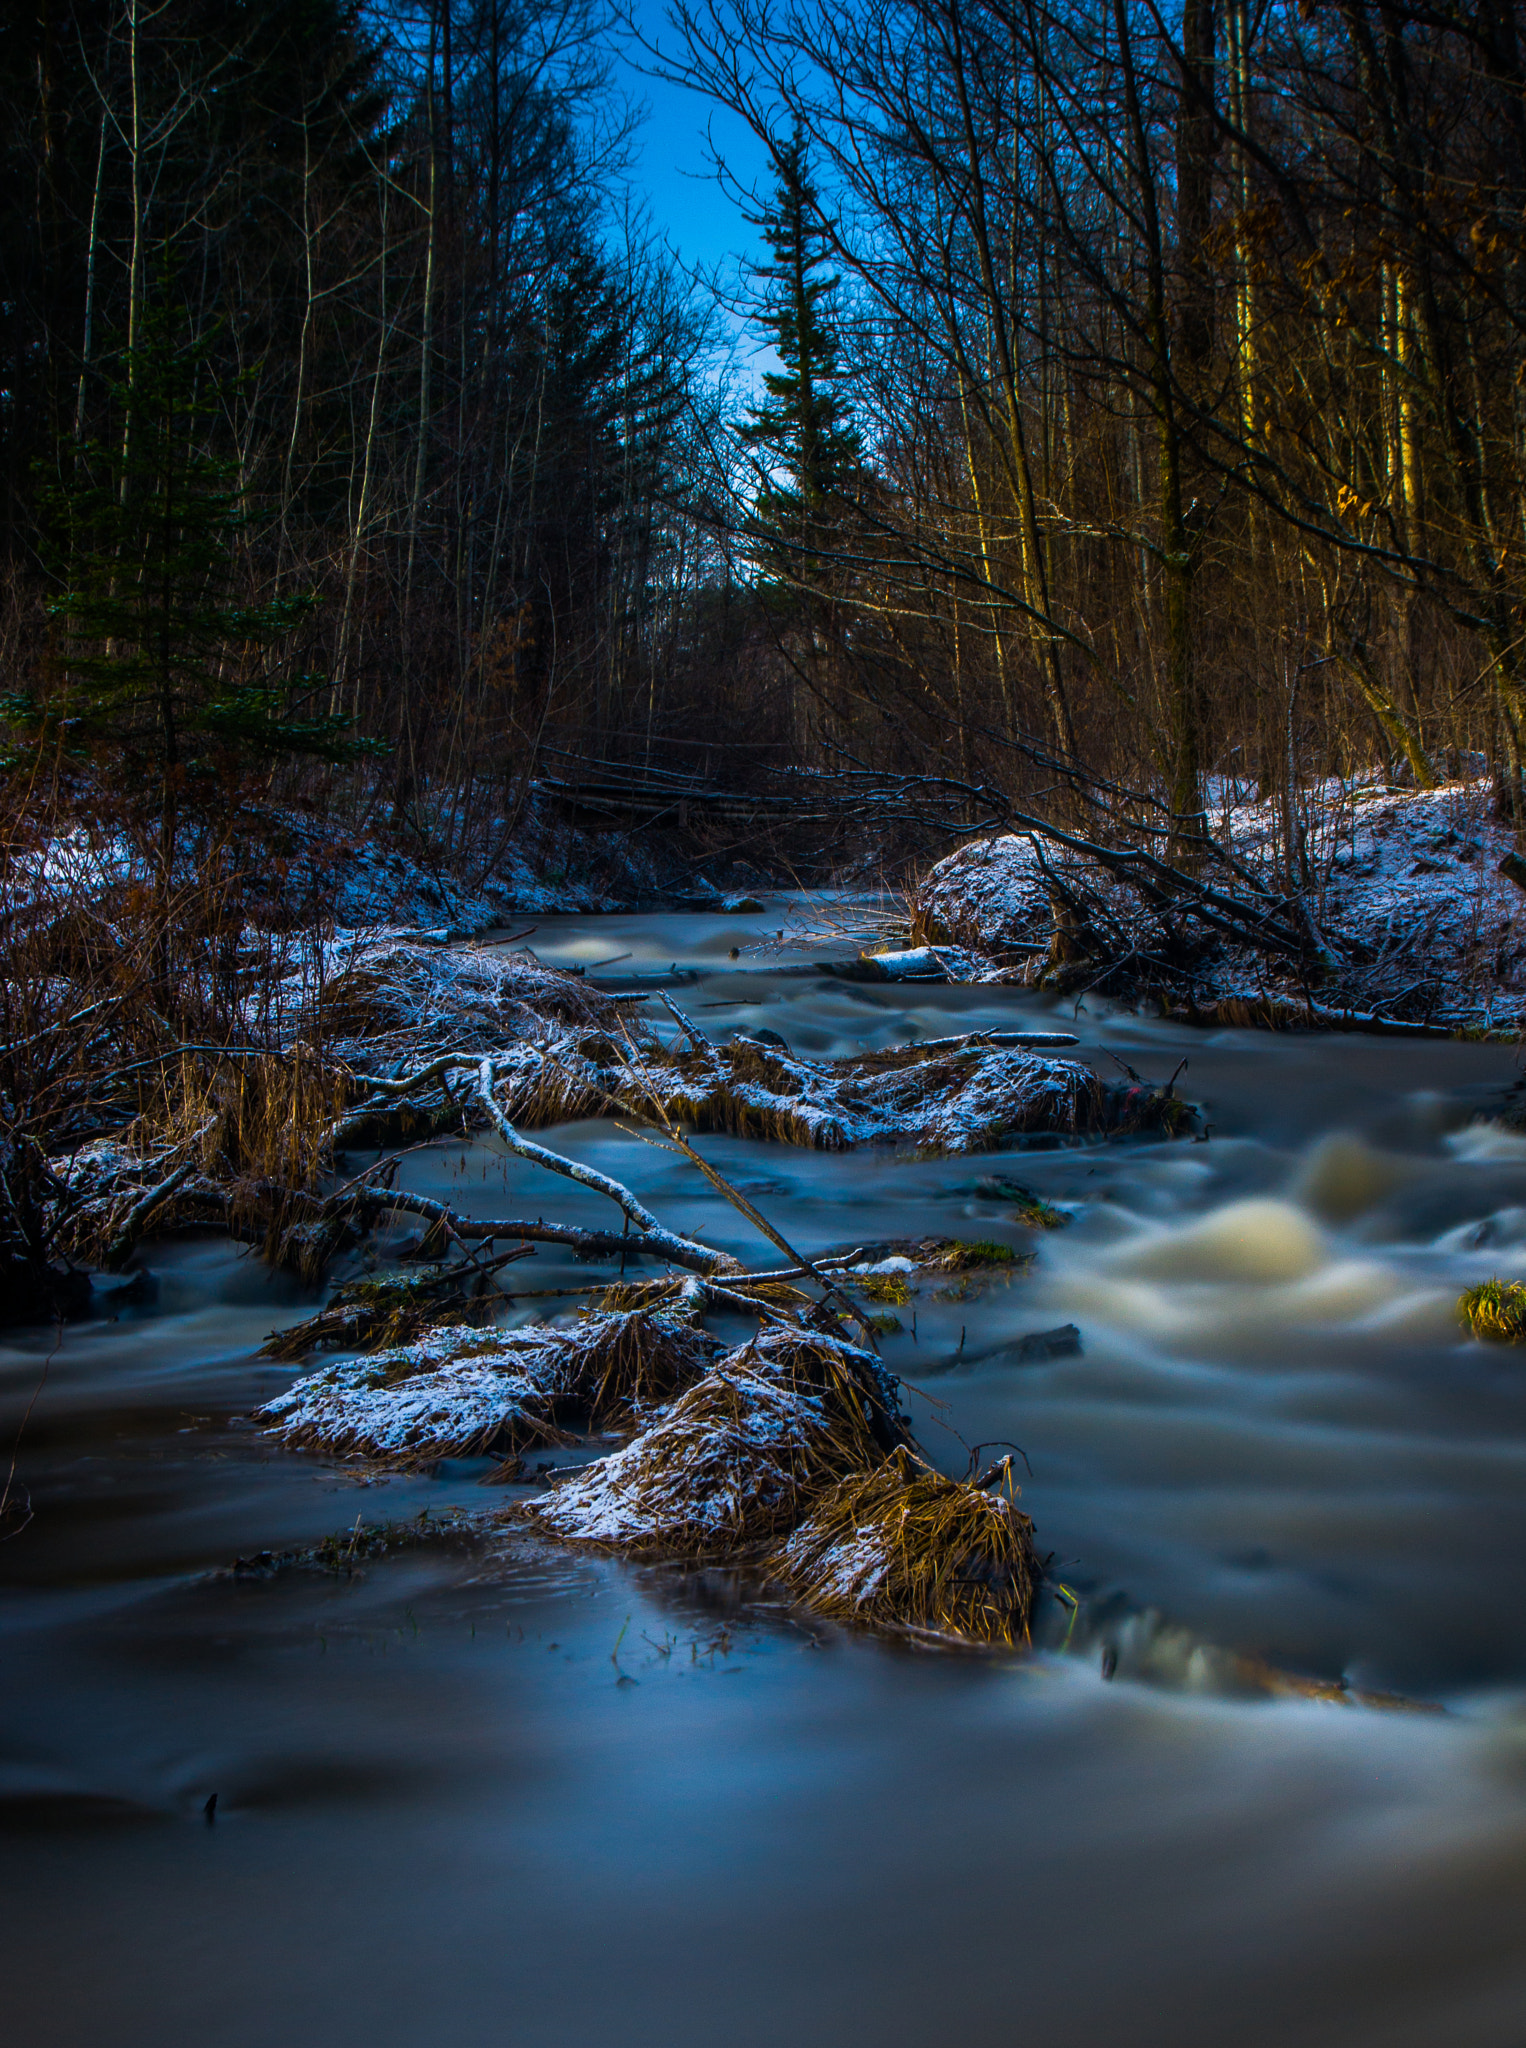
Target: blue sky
pixel 673 172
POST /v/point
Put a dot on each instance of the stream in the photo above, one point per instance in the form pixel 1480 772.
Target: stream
pixel 556 1799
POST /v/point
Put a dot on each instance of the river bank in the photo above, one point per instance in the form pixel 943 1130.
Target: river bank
pixel 1378 905
pixel 1272 1443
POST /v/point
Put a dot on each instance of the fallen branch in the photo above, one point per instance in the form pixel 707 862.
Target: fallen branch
pixel 760 1222
pixel 135 1221
pixel 652 1232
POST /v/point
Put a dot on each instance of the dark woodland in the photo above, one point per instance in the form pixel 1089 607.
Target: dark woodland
pixel 1148 404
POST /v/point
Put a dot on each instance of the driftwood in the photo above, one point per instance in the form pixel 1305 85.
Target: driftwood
pixel 651 1232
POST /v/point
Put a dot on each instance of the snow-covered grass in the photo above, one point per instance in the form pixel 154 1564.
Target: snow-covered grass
pixel 736 1459
pixel 461 1389
pixel 902 1544
pixel 1401 886
pixel 455 1392
pixel 966 1098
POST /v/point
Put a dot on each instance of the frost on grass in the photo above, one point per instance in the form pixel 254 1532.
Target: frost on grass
pixel 402 997
pixel 738 1458
pixel 969 1099
pixel 453 1393
pixel 462 1391
pixel 902 1545
pixel 789 1452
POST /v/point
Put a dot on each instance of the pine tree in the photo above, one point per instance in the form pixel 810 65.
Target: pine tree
pixel 161 672
pixel 807 447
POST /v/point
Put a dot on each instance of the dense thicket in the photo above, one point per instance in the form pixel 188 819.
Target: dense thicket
pixel 1189 351
pixel 1150 395
pixel 311 307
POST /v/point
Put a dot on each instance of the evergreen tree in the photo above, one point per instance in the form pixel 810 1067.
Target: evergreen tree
pixel 161 670
pixel 806 445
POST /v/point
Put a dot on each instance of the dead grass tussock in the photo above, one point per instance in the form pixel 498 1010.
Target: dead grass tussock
pixel 1495 1313
pixel 377 1315
pixel 620 1367
pixel 746 1090
pixel 261 1117
pixel 965 1100
pixel 735 1460
pixel 729 1465
pixel 401 986
pixel 456 1386
pixel 558 1085
pixel 450 1394
pixel 257 1127
pixel 903 1546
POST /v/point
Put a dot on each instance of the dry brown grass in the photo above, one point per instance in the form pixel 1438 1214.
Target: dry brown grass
pixel 732 1463
pixel 259 1128
pixel 560 1090
pixel 1495 1313
pixel 376 1315
pixel 621 1367
pixel 748 1089
pixel 903 1546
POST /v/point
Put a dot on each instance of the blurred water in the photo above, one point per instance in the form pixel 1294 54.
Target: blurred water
pixel 558 1800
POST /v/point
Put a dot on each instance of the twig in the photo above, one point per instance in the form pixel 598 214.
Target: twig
pixel 760 1222
pixel 10 1477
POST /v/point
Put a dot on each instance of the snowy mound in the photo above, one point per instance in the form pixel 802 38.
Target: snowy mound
pixel 1398 890
pixel 460 1389
pixel 430 997
pixel 991 894
pixel 737 1458
pixel 456 1392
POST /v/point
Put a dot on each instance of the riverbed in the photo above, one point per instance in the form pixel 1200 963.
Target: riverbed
pixel 546 1798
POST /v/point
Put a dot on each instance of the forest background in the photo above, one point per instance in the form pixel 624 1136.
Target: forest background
pixel 1146 415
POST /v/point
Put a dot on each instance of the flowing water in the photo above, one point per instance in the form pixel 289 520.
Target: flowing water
pixel 570 1802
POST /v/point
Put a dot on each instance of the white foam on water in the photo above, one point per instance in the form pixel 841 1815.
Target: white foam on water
pixel 1501 1230
pixel 1253 1271
pixel 1255 1241
pixel 1487 1143
pixel 1343 1176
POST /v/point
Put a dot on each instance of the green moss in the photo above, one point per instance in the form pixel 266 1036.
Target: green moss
pixel 886 1287
pixel 1029 1209
pixel 964 1255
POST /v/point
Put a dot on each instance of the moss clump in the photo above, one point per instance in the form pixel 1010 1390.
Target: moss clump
pixel 890 1288
pixel 968 1255
pixel 1495 1313
pixel 1029 1209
